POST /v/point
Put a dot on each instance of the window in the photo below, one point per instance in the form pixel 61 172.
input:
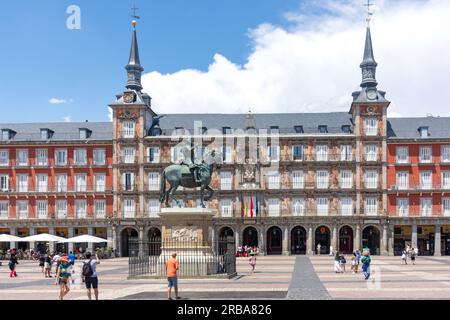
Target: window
pixel 81 182
pixel 84 133
pixel 128 155
pixel 402 180
pixel 129 209
pixel 446 206
pixel 346 152
pixel 425 207
pixel 100 209
pixel 402 207
pixel 298 129
pixel 22 209
pixel 4 182
pixel 41 183
pixel 80 157
pixel 298 179
pixel 346 181
pixel 100 182
pixel 199 205
pixel 402 154
pixel 425 155
pixel 298 207
pixel 321 152
pixel 22 182
pixel 61 183
pixel 445 153
pixel 99 157
pixel 227 154
pixel 274 180
pixel 177 154
pixel 153 154
pixel 80 209
pixel 370 206
pixel 226 130
pixel 425 180
pixel 274 153
pixel 322 206
pixel 179 131
pixel 4 208
pixel 371 124
pixel 273 207
pixel 274 129
pixel 225 180
pixel 4 157
pixel 41 157
pixel 226 208
pixel 45 134
pixel 153 208
pixel 346 129
pixel 61 209
pixel 371 179
pixel 346 206
pixel 22 157
pixel 446 179
pixel 128 181
pixel 61 157
pixel 423 132
pixel 370 152
pixel 323 129
pixel 322 179
pixel 154 181
pixel 199 152
pixel 297 153
pixel 42 209
pixel 128 130
pixel 6 135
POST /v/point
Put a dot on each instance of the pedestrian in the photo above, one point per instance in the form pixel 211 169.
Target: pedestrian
pixel 342 262
pixel 62 277
pixel 47 265
pixel 337 265
pixel 413 256
pixel 12 265
pixel 416 251
pixel 331 251
pixel 357 258
pixel 72 258
pixel 42 261
pixel 89 274
pixel 55 260
pixel 252 262
pixel 404 257
pixel 172 266
pixel 318 248
pixel 366 260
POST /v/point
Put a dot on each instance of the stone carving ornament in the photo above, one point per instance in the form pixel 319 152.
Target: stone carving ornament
pixel 184 233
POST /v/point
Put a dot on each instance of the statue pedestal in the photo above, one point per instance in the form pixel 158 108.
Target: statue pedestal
pixel 188 232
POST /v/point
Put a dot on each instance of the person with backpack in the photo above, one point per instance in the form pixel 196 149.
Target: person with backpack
pixel 62 277
pixel 366 260
pixel 404 257
pixel 413 256
pixel 12 265
pixel 89 274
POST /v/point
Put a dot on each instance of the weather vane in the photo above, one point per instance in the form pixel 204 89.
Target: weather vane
pixel 134 16
pixel 369 13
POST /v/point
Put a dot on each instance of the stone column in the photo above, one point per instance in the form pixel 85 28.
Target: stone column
pixel 285 248
pixel 384 242
pixel 391 240
pixel 51 245
pixel 237 235
pixel 32 233
pixel 309 242
pixel 91 246
pixel 71 232
pixel 437 241
pixel 141 240
pixel 13 232
pixel 262 240
pixel 212 232
pixel 334 241
pixel 357 238
pixel 414 235
pixel 115 238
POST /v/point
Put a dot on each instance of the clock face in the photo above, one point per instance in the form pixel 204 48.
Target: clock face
pixel 371 94
pixel 128 97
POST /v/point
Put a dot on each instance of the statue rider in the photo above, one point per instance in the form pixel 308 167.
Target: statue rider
pixel 193 167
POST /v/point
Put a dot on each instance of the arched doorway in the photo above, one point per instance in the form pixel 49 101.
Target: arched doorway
pixel 322 237
pixel 226 235
pixel 274 240
pixel 127 235
pixel 250 237
pixel 154 242
pixel 346 240
pixel 298 240
pixel 371 239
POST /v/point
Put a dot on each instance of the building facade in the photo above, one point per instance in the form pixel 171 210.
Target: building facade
pixel 295 183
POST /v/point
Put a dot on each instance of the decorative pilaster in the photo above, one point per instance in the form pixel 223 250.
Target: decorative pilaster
pixel 357 238
pixel 71 234
pixel 309 242
pixel 285 249
pixel 437 241
pixel 414 235
pixel 90 244
pixel 384 242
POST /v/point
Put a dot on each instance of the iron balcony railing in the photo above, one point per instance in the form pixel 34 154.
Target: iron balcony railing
pixel 58 189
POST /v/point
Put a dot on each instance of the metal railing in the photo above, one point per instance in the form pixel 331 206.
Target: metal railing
pixel 58 189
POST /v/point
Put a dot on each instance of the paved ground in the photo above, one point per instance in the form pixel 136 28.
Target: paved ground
pixel 276 277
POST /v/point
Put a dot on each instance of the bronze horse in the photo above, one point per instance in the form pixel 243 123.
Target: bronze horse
pixel 180 175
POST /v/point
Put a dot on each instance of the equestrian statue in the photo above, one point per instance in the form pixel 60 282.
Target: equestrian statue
pixel 189 174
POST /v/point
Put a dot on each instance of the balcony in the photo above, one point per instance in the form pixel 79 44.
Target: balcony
pixel 126 160
pixel 372 158
pixel 152 160
pixel 437 187
pixel 128 188
pixel 51 189
pixel 320 157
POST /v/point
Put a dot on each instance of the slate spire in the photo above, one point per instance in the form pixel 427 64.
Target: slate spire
pixel 369 65
pixel 134 68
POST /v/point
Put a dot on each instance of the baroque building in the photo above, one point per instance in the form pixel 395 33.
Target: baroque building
pixel 296 183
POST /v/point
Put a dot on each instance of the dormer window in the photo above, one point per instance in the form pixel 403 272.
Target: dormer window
pixel 346 129
pixel 204 130
pixel 6 134
pixel 274 129
pixel 179 130
pixel 323 129
pixel 226 130
pixel 423 132
pixel 84 133
pixel 298 129
pixel 45 134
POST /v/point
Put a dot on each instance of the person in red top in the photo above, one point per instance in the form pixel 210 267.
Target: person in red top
pixel 172 268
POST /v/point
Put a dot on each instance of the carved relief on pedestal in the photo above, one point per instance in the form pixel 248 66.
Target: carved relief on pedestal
pixel 184 233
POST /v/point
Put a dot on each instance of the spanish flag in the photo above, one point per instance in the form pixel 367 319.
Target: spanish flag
pixel 251 207
pixel 246 208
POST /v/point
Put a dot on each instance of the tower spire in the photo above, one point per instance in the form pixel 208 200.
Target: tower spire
pixel 134 68
pixel 369 65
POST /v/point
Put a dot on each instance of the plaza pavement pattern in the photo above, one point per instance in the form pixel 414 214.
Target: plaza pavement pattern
pixel 276 277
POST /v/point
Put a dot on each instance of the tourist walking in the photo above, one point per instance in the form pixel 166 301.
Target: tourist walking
pixel 42 262
pixel 72 258
pixel 413 256
pixel 12 265
pixel 342 262
pixel 318 248
pixel 356 260
pixel 252 262
pixel 366 260
pixel 47 265
pixel 89 274
pixel 172 266
pixel 62 277
pixel 404 257
pixel 337 265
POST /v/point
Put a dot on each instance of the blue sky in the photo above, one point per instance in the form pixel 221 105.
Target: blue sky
pixel 42 59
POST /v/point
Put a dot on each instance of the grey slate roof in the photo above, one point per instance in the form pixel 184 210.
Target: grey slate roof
pixel 408 128
pixel 62 130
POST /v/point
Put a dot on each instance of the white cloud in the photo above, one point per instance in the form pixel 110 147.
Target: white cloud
pixel 313 65
pixel 67 119
pixel 57 101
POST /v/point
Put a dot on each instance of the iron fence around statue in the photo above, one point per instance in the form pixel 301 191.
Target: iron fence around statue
pixel 196 259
